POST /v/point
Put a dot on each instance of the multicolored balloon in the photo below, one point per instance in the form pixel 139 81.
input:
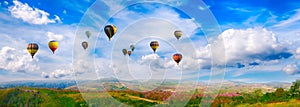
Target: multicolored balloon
pixel 177 58
pixel 32 48
pixel 110 31
pixel 53 45
pixel 154 45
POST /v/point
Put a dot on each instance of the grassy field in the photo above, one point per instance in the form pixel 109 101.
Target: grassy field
pixel 42 97
pixel 291 103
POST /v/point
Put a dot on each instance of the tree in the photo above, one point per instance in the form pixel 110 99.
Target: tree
pixel 294 90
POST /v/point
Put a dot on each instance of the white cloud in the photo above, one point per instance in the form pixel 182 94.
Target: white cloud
pixel 149 58
pixel 297 53
pixel 59 73
pixel 246 46
pixel 5 2
pixel 17 60
pixel 291 69
pixel 31 15
pixel 65 12
pixel 243 46
pixel 291 20
pixel 45 75
pixel 114 5
pixel 238 9
pixel 53 36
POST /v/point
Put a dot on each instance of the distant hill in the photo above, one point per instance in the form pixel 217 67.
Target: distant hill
pixel 61 84
pixel 39 97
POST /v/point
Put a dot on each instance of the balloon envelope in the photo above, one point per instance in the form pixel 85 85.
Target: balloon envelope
pixel 53 45
pixel 85 45
pixel 129 53
pixel 110 31
pixel 178 34
pixel 177 58
pixel 88 34
pixel 32 48
pixel 132 47
pixel 154 45
pixel 124 51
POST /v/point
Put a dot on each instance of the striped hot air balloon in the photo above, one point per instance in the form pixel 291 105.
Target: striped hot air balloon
pixel 154 45
pixel 53 45
pixel 32 48
pixel 110 31
pixel 177 58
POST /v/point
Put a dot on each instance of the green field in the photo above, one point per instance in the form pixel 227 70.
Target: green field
pixel 47 97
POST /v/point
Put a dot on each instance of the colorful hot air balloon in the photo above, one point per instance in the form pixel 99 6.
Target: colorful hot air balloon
pixel 124 51
pixel 129 53
pixel 110 31
pixel 32 48
pixel 154 45
pixel 88 34
pixel 53 45
pixel 132 47
pixel 178 34
pixel 177 58
pixel 85 45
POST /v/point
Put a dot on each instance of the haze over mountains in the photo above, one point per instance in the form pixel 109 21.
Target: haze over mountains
pixel 72 84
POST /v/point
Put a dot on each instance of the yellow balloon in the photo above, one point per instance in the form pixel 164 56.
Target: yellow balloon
pixel 154 45
pixel 32 48
pixel 53 45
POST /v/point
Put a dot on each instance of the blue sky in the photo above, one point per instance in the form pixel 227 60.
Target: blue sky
pixel 260 39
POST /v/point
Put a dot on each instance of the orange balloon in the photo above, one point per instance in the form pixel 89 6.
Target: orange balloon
pixel 129 53
pixel 177 58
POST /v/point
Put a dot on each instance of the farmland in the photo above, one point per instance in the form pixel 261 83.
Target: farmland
pixel 163 96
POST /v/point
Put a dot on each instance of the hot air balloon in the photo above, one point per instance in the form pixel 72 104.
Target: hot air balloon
pixel 154 45
pixel 85 45
pixel 110 31
pixel 129 53
pixel 178 34
pixel 88 34
pixel 32 48
pixel 124 51
pixel 132 47
pixel 177 58
pixel 53 45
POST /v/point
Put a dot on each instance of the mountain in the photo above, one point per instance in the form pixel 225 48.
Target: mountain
pixel 39 84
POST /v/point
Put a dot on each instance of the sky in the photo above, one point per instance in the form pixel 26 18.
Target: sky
pixel 260 39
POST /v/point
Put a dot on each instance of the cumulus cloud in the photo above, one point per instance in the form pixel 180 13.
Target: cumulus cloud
pixel 291 69
pixel 59 73
pixel 65 71
pixel 53 36
pixel 16 60
pixel 45 75
pixel 31 15
pixel 244 48
pixel 297 53
pixel 247 46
